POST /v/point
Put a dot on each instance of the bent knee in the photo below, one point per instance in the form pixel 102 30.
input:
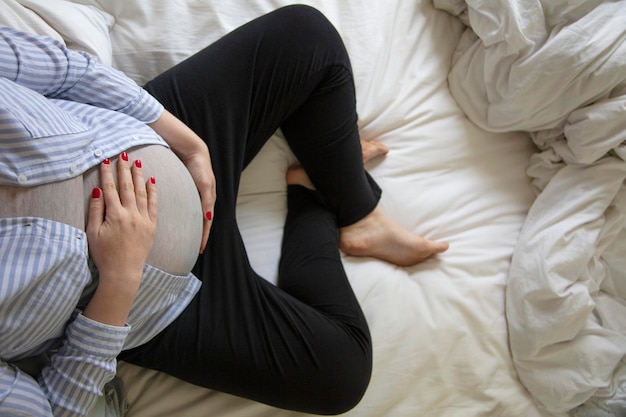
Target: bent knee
pixel 309 28
pixel 343 388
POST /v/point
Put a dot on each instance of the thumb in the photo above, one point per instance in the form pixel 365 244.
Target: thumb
pixel 96 211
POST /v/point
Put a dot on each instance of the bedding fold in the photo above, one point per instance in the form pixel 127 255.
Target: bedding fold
pixel 557 69
pixel 439 331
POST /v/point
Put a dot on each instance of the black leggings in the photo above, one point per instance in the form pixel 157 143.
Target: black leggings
pixel 303 344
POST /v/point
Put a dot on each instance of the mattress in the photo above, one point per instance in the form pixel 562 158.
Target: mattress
pixel 440 336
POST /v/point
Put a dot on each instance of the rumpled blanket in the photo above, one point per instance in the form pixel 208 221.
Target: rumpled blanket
pixel 557 69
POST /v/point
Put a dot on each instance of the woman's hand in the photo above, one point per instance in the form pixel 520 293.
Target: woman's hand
pixel 194 153
pixel 120 232
pixel 199 166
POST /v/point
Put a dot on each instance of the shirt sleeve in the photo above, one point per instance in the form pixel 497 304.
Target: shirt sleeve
pixel 82 366
pixel 48 67
pixel 20 394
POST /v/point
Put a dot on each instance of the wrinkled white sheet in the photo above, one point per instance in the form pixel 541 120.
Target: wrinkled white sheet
pixel 439 328
pixel 557 69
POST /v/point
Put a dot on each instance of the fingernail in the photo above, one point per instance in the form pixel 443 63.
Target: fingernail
pixel 95 193
pixel 124 156
pixel 106 161
pixel 153 180
pixel 137 163
pixel 209 215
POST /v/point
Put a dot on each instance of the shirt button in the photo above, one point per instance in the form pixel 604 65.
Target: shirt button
pixel 73 168
pixel 98 152
pixel 135 137
pixel 22 178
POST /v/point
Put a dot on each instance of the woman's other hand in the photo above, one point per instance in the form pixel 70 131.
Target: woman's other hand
pixel 194 153
pixel 120 231
pixel 199 166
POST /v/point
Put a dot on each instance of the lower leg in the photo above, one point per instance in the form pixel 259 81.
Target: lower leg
pixel 311 270
pixel 369 149
pixel 376 235
pixel 302 346
pixel 323 133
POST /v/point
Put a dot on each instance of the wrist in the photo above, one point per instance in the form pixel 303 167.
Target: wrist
pixel 112 300
pixel 181 139
pixel 125 280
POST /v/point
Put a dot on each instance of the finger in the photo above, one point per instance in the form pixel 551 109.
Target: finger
pixel 125 181
pixel 151 189
pixel 207 197
pixel 139 187
pixel 96 212
pixel 206 227
pixel 109 189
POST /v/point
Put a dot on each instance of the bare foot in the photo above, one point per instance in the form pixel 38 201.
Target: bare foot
pixel 372 149
pixel 378 236
pixel 296 175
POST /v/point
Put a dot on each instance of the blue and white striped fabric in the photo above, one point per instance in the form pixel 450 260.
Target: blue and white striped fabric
pixel 61 113
pixel 55 118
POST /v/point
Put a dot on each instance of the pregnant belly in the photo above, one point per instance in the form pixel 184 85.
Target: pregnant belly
pixel 179 223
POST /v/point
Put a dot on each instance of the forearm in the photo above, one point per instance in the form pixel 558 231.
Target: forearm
pixel 111 303
pixel 120 232
pixel 25 397
pixel 82 366
pixel 194 153
pixel 183 141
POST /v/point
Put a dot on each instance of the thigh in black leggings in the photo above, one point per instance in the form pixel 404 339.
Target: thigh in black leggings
pixel 303 344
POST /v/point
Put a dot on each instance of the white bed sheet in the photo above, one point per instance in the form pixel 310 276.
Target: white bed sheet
pixel 439 329
pixel 557 68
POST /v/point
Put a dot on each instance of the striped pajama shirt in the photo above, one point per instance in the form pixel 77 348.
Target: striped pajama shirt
pixel 61 113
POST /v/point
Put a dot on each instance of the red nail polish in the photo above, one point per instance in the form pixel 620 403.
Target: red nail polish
pixel 124 156
pixel 106 161
pixel 153 180
pixel 95 193
pixel 138 163
pixel 209 215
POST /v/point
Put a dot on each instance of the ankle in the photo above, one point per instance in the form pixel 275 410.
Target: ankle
pixel 296 175
pixel 351 243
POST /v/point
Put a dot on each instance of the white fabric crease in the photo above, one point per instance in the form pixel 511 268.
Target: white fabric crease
pixel 557 69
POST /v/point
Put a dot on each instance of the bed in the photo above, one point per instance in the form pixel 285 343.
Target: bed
pixel 506 123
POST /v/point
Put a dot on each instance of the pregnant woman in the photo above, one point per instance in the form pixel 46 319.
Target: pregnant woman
pixel 87 271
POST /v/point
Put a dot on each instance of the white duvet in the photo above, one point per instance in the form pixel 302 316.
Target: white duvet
pixel 441 342
pixel 558 69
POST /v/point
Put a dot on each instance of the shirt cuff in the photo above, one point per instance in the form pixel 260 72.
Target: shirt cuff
pixel 144 108
pixel 96 339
